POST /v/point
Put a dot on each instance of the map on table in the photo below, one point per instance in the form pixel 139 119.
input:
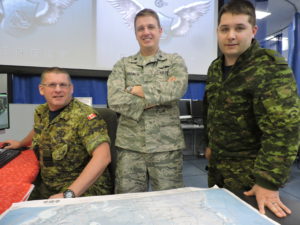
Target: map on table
pixel 183 206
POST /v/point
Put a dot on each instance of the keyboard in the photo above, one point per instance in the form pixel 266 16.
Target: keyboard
pixel 6 155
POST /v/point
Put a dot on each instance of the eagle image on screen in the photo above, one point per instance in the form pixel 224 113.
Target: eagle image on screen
pixel 19 17
pixel 175 21
pixel 95 34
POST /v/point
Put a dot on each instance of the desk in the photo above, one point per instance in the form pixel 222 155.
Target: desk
pixel 292 204
pixel 16 179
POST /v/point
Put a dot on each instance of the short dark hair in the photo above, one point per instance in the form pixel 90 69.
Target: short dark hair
pixel 147 12
pixel 239 7
pixel 55 70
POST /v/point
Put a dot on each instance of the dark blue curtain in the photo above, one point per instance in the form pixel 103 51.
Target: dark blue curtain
pixel 91 87
pixel 25 89
pixel 294 48
pixel 195 90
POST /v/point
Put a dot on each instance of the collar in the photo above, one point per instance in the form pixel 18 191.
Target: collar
pixel 64 114
pixel 245 56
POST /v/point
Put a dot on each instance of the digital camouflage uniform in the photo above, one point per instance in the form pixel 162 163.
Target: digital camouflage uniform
pixel 252 121
pixel 148 130
pixel 65 147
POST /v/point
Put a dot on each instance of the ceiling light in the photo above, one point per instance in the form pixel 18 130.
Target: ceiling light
pixel 261 14
pixel 270 38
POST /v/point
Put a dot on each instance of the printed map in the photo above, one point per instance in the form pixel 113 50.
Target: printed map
pixel 184 206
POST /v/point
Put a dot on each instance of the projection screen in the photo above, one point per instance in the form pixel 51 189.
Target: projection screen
pixel 94 34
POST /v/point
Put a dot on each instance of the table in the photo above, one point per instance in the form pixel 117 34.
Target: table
pixel 16 179
pixel 292 204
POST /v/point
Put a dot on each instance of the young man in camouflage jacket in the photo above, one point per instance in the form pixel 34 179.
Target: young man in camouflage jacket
pixel 252 112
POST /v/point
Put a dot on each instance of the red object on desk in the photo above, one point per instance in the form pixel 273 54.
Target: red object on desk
pixel 16 179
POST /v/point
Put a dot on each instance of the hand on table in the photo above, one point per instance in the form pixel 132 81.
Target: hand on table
pixel 268 198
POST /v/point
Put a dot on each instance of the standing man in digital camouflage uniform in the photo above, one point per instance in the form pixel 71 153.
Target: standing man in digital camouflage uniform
pixel 145 89
pixel 252 112
pixel 71 141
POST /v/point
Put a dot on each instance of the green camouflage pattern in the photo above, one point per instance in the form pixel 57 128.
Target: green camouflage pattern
pixel 156 129
pixel 133 170
pixel 232 174
pixel 65 146
pixel 254 115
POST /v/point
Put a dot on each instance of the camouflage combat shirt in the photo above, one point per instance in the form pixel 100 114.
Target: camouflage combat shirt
pixel 66 143
pixel 156 129
pixel 254 114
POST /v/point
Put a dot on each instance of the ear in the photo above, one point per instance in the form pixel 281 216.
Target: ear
pixel 160 30
pixel 72 89
pixel 41 89
pixel 254 30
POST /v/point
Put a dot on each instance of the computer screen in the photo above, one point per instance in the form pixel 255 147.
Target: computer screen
pixel 4 111
pixel 185 108
pixel 197 108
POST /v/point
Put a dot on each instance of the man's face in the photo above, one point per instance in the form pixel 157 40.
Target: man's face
pixel 147 33
pixel 57 90
pixel 235 34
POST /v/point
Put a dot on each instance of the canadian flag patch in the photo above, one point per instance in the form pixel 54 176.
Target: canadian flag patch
pixel 91 116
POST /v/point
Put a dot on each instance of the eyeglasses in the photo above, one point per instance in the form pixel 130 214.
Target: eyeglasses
pixel 54 85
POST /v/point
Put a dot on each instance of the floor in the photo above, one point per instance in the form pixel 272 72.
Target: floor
pixel 195 175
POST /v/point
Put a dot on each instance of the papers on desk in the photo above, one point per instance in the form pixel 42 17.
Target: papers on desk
pixel 179 206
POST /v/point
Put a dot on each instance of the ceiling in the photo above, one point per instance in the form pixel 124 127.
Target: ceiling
pixel 282 14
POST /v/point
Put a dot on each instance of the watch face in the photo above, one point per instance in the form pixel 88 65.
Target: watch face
pixel 69 194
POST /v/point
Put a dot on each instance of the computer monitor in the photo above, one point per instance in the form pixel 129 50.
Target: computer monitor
pixel 4 111
pixel 185 108
pixel 197 108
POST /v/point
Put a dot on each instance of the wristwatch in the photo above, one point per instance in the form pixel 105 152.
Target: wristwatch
pixel 69 194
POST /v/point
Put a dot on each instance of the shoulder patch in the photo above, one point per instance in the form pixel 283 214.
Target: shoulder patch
pixel 91 116
pixel 278 58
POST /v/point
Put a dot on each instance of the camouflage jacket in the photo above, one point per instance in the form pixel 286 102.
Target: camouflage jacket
pixel 66 143
pixel 143 129
pixel 254 114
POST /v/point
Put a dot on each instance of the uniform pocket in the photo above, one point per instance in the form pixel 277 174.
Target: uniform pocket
pixel 60 152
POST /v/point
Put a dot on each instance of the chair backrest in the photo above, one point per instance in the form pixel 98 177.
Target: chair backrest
pixel 110 117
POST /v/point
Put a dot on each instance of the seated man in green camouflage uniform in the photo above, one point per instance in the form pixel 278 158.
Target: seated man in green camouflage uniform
pixel 145 89
pixel 252 112
pixel 70 140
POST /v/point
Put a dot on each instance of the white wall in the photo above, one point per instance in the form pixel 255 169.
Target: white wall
pixel 3 83
pixel 21 121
